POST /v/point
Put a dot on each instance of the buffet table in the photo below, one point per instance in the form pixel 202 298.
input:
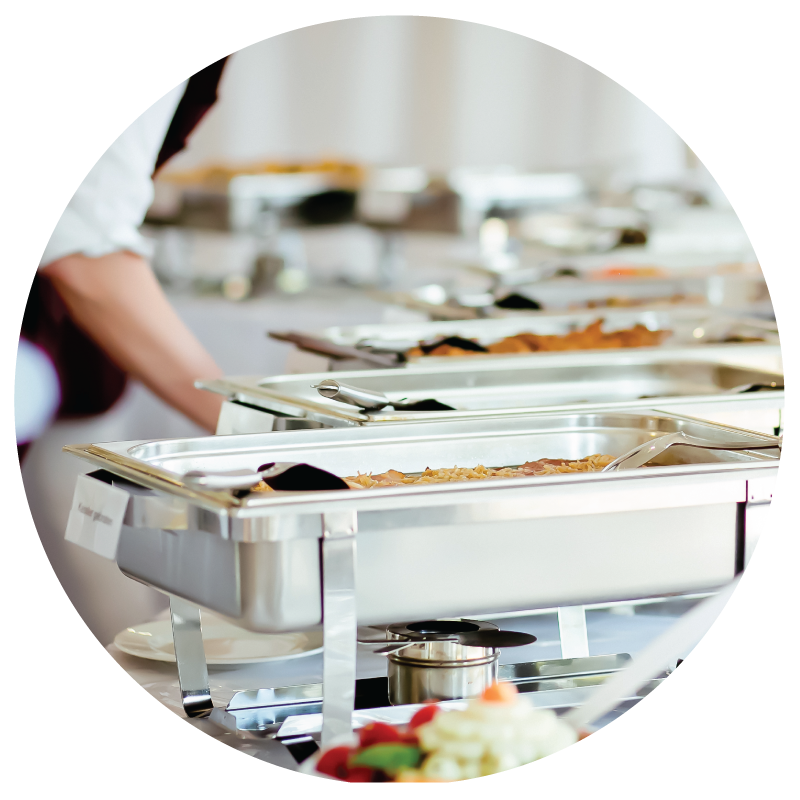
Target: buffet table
pixel 618 628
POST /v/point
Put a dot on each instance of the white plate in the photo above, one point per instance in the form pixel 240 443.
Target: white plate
pixel 225 644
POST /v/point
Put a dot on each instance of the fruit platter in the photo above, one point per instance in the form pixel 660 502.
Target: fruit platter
pixel 497 731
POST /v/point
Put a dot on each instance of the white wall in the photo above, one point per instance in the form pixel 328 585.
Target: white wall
pixel 435 92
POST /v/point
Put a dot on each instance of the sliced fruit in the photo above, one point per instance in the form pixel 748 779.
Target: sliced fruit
pixel 423 716
pixel 360 775
pixel 378 732
pixel 500 693
pixel 334 762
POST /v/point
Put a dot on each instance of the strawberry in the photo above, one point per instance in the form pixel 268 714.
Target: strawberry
pixel 334 762
pixel 423 716
pixel 359 775
pixel 377 733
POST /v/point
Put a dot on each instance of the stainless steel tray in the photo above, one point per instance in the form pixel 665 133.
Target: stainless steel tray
pixel 438 550
pixel 712 290
pixel 487 388
pixel 690 327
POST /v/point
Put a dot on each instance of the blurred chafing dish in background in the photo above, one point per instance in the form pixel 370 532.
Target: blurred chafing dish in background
pixel 485 388
pixel 694 333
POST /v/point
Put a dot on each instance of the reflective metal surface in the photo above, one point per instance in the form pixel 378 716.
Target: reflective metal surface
pixel 432 668
pixel 266 710
pixel 414 681
pixel 690 326
pixel 352 395
pixel 190 657
pixel 338 624
pixel 649 451
pixel 507 544
pixel 573 633
pixel 485 388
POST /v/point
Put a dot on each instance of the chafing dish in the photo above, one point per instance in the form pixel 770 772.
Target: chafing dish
pixel 696 333
pixel 282 561
pixel 726 291
pixel 733 293
pixel 484 388
pixel 233 554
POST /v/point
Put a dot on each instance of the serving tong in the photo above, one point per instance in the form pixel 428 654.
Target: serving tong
pixel 370 400
pixel 314 344
pixel 286 476
pixel 641 454
pixel 747 388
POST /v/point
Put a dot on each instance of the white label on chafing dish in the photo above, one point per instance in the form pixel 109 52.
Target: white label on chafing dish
pixel 95 520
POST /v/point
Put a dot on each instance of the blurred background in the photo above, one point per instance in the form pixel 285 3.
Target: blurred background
pixel 390 169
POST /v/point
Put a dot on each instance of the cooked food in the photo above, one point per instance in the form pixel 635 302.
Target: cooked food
pixel 542 466
pixel 592 337
pixel 631 302
pixel 496 732
pixel 499 731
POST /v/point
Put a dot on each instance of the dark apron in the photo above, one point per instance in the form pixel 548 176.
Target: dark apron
pixel 91 383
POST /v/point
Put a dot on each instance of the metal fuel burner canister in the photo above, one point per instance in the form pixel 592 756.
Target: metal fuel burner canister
pixel 444 659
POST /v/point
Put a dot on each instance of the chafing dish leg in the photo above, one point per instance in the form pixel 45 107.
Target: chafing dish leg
pixel 338 559
pixel 190 657
pixel 572 628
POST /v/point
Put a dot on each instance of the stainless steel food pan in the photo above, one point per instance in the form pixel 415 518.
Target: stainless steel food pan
pixel 486 388
pixel 713 290
pixel 439 550
pixel 697 333
pixel 689 326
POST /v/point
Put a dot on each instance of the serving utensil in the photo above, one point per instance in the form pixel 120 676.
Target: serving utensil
pixel 370 400
pixel 746 388
pixel 285 477
pixel 647 451
pixel 658 655
pixel 325 347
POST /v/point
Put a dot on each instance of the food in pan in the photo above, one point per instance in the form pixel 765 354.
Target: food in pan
pixel 628 271
pixel 543 466
pixel 496 732
pixel 632 302
pixel 592 337
pixel 516 301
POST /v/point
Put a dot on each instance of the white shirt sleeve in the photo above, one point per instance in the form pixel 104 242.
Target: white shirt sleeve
pixel 37 392
pixel 105 213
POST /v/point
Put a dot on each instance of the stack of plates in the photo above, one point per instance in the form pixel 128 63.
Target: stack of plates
pixel 224 644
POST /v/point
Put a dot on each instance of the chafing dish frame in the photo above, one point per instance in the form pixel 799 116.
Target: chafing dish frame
pixel 332 519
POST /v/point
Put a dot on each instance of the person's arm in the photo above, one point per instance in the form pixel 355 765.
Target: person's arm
pixel 117 300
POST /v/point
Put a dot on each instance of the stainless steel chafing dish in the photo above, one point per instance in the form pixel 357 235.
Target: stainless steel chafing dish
pixel 287 560
pixel 697 333
pixel 714 290
pixel 484 388
pixel 176 538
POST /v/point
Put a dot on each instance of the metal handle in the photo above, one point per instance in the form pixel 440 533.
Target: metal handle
pixel 352 395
